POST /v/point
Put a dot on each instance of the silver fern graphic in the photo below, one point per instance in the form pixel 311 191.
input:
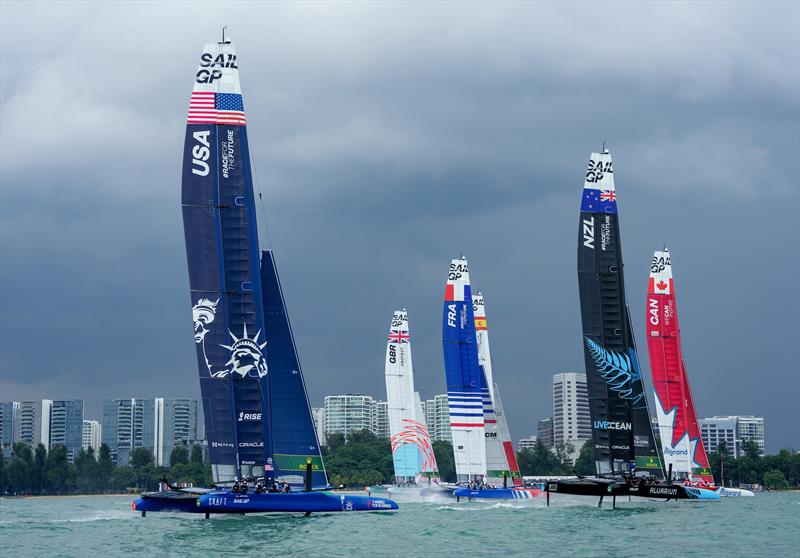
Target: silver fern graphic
pixel 618 371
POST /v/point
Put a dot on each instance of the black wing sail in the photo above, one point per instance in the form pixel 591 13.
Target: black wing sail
pixel 617 402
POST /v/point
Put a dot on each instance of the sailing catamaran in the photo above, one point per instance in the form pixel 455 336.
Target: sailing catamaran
pixel 257 416
pixel 415 467
pixel 681 442
pixel 626 457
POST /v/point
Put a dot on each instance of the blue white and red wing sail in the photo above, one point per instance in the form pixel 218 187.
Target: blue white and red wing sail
pixel 464 375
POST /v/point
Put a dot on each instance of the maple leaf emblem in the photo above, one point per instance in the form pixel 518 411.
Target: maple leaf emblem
pixel 661 285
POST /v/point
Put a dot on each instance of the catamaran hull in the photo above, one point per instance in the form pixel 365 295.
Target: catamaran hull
pixel 230 502
pixel 499 494
pixel 167 501
pixel 602 487
pixel 434 492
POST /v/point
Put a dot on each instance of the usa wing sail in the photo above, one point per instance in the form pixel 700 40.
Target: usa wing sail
pixel 463 374
pixel 222 252
pixel 681 443
pixel 621 428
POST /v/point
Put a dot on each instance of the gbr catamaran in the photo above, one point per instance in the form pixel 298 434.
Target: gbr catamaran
pixel 681 443
pixel 415 469
pixel 627 460
pixel 260 433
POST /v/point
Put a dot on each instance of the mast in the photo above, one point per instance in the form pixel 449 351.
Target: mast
pixel 223 258
pixel 681 442
pixel 621 428
pixel 463 374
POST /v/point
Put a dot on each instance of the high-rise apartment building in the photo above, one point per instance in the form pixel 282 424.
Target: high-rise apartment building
pixel 437 415
pixel 527 443
pixel 571 420
pixel 33 426
pixel 318 414
pixel 382 429
pixel 349 413
pixel 751 429
pixel 177 427
pixel 544 432
pixel 91 437
pixel 733 430
pixel 9 416
pixel 66 426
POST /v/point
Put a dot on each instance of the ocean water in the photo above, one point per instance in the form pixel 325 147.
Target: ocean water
pixel 767 525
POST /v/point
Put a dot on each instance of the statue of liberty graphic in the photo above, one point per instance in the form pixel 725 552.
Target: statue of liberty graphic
pixel 246 354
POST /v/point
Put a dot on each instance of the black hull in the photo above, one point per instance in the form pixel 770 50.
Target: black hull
pixel 606 487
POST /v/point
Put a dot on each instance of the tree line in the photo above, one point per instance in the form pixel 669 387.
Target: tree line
pixel 362 459
pixel 39 472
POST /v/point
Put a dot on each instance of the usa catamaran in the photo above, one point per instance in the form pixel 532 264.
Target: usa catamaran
pixel 264 453
pixel 627 460
pixel 681 442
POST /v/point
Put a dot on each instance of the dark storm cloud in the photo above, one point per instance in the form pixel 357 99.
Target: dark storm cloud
pixel 386 139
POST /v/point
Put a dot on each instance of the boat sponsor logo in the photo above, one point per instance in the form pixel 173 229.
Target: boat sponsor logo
pixel 251 444
pixel 211 67
pixel 221 444
pixel 399 319
pixel 641 441
pixel 241 500
pixel 201 151
pixel 217 501
pixel 605 233
pixel 451 315
pixel 248 416
pixel 378 505
pixel 673 451
pixel 663 491
pixel 659 264
pixel 653 310
pixel 727 493
pixel 248 462
pixel 611 425
pixel 228 155
pixel 597 169
pixel 457 270
pixel 588 232
pixel 490 434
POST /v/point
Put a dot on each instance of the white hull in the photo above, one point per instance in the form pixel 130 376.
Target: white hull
pixel 732 492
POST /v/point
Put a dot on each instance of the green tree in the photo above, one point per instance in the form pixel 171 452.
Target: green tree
pixel 105 467
pixel 38 479
pixel 364 459
pixel 86 468
pixel 197 454
pixel 3 475
pixel 539 461
pixel 123 478
pixel 750 449
pixel 334 441
pixel 141 457
pixel 445 460
pixel 59 474
pixel 775 480
pixel 585 464
pixel 179 456
pixel 19 476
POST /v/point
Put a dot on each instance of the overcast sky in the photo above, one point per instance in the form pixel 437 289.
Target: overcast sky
pixel 387 138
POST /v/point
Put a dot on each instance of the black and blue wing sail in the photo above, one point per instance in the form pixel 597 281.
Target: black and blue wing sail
pixel 294 438
pixel 224 275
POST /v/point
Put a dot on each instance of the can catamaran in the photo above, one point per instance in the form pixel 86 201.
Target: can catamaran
pixel 414 462
pixel 627 460
pixel 681 442
pixel 258 421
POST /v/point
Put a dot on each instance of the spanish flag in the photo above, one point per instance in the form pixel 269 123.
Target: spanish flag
pixel 480 324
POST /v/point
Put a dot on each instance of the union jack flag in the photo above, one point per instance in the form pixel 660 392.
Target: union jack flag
pixel 397 336
pixel 608 195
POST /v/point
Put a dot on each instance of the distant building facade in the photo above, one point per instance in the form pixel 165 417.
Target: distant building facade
pixel 349 413
pixel 33 426
pixel 571 421
pixel 66 426
pixel 91 436
pixel 9 411
pixel 177 427
pixel 527 443
pixel 437 415
pixel 544 432
pixel 381 428
pixel 318 414
pixel 733 430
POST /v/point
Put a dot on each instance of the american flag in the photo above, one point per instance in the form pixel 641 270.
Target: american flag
pixel 216 108
pixel 397 336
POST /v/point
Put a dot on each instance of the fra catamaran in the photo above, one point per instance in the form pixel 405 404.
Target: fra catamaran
pixel 681 442
pixel 258 423
pixel 627 460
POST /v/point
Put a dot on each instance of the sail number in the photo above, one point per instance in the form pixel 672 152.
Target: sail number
pixel 200 153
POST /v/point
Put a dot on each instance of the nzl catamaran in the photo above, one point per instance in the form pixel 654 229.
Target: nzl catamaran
pixel 627 459
pixel 260 433
pixel 681 442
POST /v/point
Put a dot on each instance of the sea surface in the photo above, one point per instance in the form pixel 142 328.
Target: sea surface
pixel 767 525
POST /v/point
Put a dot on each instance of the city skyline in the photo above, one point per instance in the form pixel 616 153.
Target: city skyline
pixel 469 144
